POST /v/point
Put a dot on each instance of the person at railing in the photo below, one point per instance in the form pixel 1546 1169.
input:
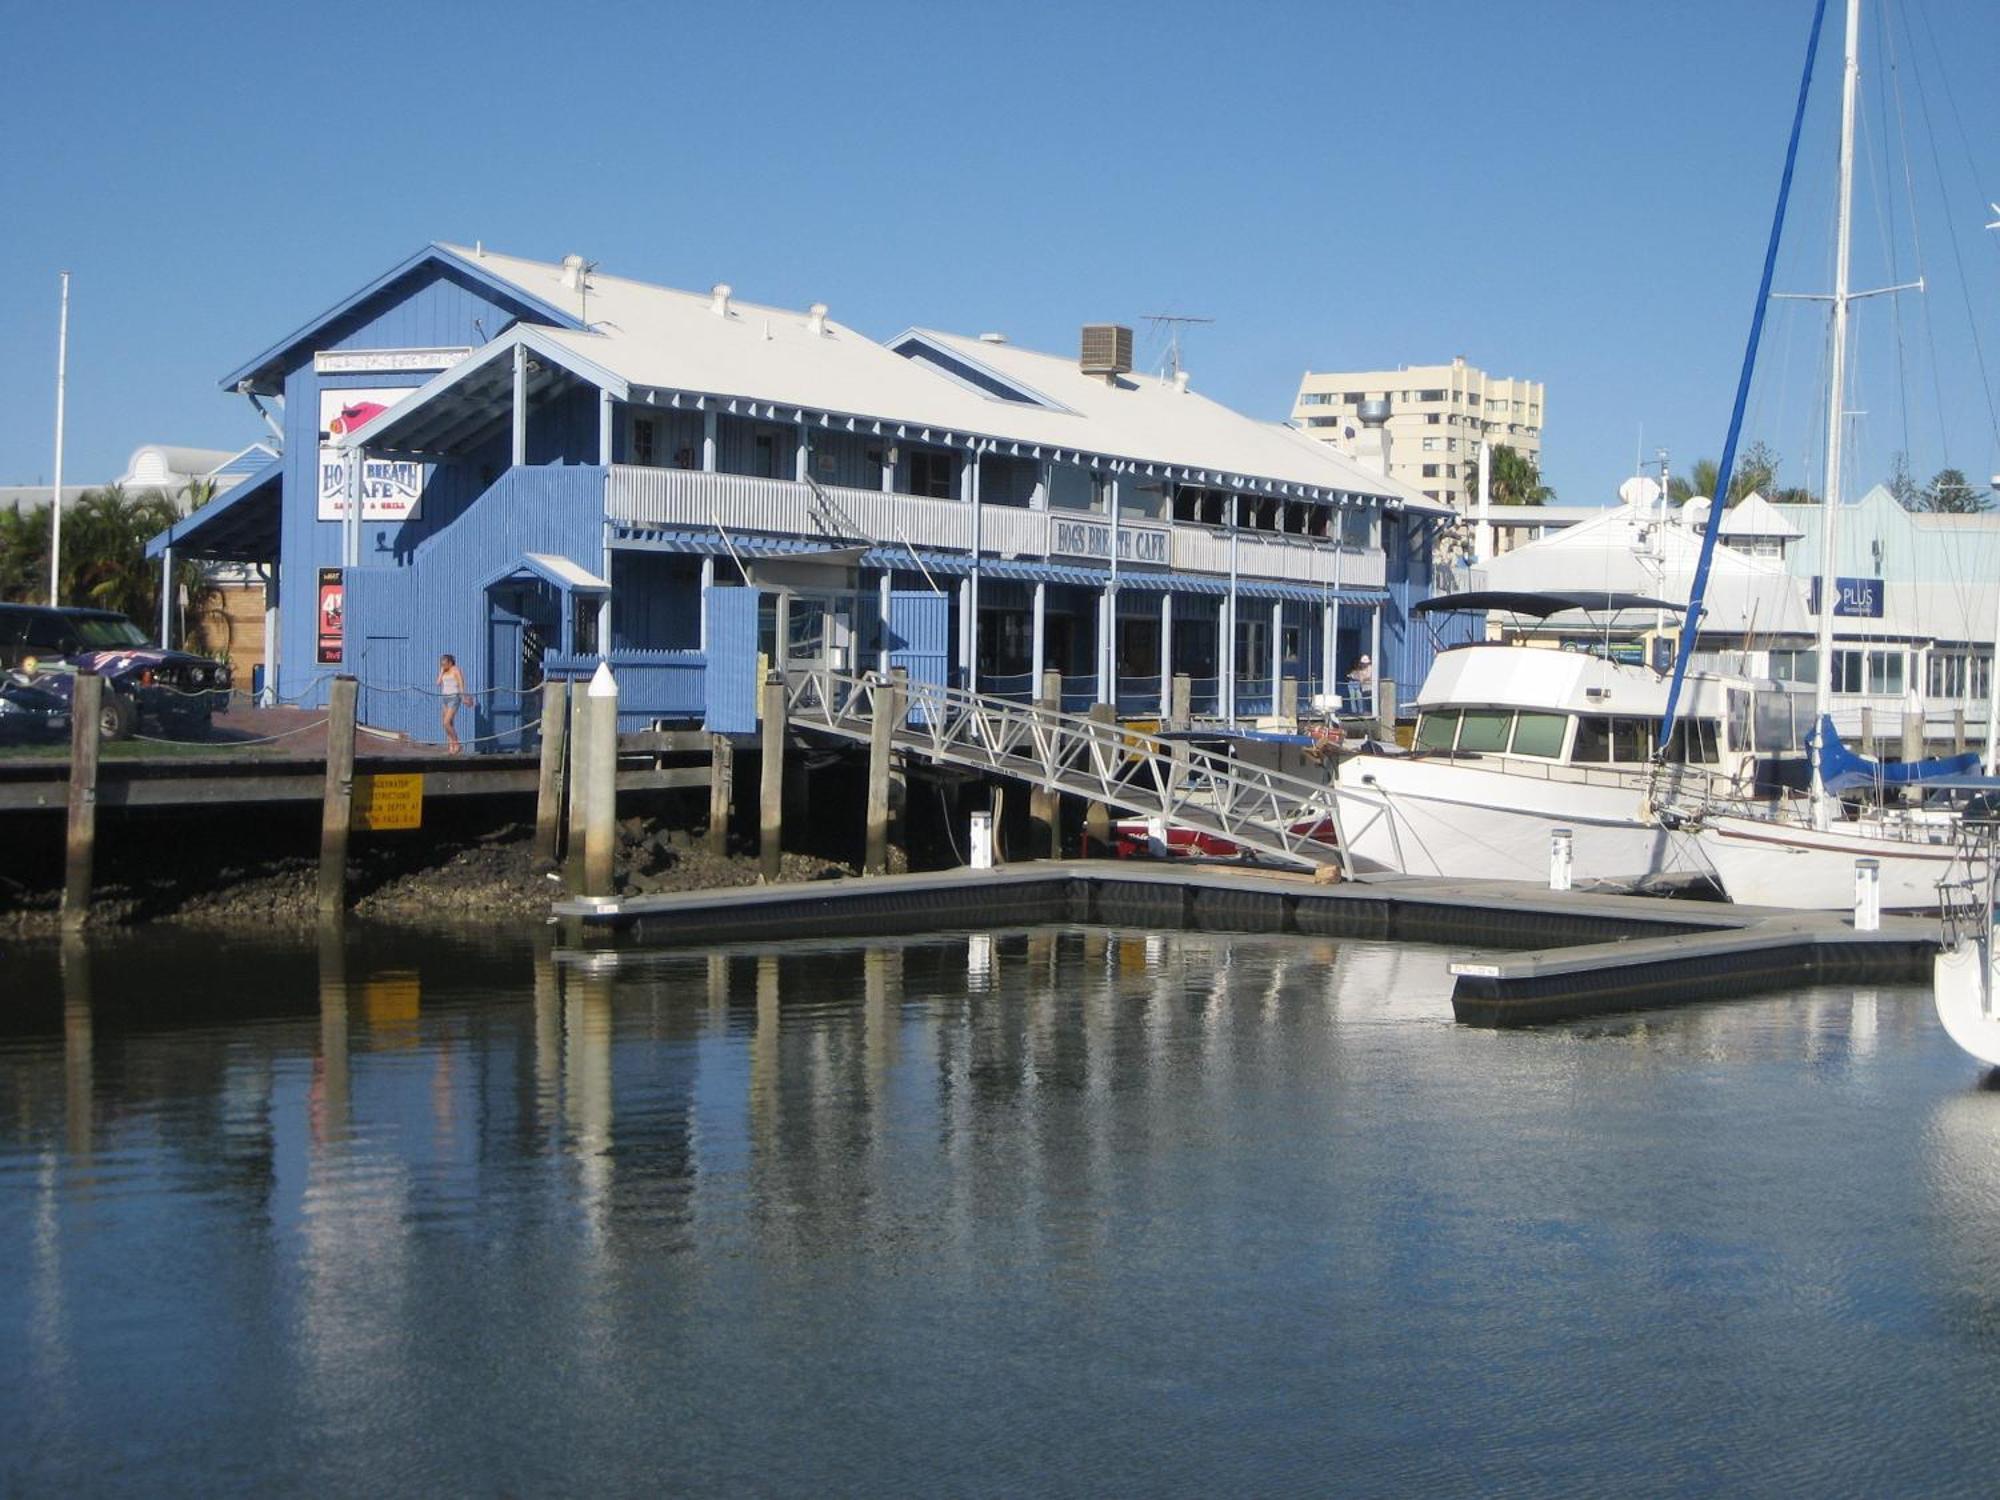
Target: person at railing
pixel 452 694
pixel 1360 685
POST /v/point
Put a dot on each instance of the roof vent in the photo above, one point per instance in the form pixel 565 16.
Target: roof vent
pixel 1181 381
pixel 816 319
pixel 718 298
pixel 1107 350
pixel 572 271
pixel 992 338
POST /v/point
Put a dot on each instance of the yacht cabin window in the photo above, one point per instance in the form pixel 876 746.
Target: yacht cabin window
pixel 1484 731
pixel 1539 734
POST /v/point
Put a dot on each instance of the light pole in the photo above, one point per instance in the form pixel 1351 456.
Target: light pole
pixel 55 503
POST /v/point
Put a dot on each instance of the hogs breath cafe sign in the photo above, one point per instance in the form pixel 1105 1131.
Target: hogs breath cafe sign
pixel 1136 544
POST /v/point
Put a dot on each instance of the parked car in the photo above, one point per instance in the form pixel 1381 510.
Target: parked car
pixel 147 687
pixel 29 713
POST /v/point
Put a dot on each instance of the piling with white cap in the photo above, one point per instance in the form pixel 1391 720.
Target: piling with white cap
pixel 600 837
pixel 982 841
pixel 1561 842
pixel 1868 895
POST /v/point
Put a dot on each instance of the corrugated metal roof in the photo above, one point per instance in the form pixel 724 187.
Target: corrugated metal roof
pixel 659 338
pixel 238 525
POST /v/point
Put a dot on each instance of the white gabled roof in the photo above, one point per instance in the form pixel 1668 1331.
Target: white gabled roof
pixel 1753 515
pixel 659 338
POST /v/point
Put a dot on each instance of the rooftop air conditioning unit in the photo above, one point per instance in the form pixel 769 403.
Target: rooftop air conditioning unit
pixel 1107 349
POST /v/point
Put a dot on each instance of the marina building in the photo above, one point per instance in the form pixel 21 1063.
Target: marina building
pixel 534 466
pixel 1438 414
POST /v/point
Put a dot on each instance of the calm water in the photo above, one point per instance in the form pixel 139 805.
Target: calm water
pixel 1078 1211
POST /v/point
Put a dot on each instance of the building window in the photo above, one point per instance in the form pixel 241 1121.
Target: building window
pixel 930 473
pixel 1322 421
pixel 1316 398
pixel 1958 674
pixel 1430 471
pixel 1431 419
pixel 1793 665
pixel 1432 445
pixel 1430 395
pixel 1876 672
pixel 642 441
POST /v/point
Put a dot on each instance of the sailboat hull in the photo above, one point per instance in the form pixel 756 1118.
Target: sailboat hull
pixel 1962 980
pixel 1760 863
pixel 1427 817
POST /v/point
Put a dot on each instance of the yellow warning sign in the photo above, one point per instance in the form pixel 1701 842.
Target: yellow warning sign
pixel 389 802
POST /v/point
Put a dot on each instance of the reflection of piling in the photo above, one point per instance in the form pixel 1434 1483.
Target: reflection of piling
pixel 333 1102
pixel 79 1069
pixel 882 727
pixel 548 785
pixel 1044 802
pixel 721 783
pixel 601 785
pixel 771 785
pixel 80 847
pixel 336 807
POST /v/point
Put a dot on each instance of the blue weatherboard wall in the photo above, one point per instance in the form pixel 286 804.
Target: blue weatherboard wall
pixel 433 306
pixel 437 601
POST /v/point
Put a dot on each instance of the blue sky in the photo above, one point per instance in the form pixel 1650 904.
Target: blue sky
pixel 1573 192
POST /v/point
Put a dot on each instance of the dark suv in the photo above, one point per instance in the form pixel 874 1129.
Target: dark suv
pixel 145 685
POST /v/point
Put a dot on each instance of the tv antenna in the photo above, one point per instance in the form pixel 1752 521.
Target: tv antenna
pixel 1172 323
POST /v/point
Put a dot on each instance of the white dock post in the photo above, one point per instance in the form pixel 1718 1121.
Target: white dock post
pixel 982 841
pixel 1561 844
pixel 600 845
pixel 1868 895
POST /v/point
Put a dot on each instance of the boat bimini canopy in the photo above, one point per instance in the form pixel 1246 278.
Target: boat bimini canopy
pixel 1539 605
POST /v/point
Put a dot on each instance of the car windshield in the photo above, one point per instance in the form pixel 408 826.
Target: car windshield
pixel 107 632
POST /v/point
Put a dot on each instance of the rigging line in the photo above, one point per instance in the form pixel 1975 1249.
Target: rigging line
pixel 1958 257
pixel 1890 84
pixel 1928 327
pixel 1691 623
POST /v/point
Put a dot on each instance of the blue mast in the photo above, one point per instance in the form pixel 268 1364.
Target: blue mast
pixel 1691 621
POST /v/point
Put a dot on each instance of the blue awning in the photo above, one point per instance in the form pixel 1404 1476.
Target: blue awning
pixel 239 525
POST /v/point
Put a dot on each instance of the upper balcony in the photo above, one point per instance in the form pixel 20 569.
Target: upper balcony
pixel 655 497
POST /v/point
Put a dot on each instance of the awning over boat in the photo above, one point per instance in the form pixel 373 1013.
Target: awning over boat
pixel 1538 605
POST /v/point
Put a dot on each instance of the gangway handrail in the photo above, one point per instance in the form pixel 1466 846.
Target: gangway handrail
pixel 1264 811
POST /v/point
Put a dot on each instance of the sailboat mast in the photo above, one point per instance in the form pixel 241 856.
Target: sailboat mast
pixel 1836 414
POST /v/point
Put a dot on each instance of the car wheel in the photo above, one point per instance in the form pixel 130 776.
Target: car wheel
pixel 117 717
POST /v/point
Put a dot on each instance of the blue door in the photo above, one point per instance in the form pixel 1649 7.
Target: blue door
pixel 920 637
pixel 729 680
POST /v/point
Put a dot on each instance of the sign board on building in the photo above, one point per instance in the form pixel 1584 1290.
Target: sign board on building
pixel 1859 598
pixel 332 615
pixel 1136 544
pixel 382 361
pixel 388 801
pixel 391 489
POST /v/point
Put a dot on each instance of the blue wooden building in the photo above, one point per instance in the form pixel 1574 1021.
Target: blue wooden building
pixel 535 465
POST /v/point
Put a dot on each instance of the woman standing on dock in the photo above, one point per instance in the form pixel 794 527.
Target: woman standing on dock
pixel 451 688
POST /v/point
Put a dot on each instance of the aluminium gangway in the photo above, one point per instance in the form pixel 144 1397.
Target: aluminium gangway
pixel 1279 817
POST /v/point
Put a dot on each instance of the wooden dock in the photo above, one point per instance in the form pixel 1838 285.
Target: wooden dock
pixel 1568 954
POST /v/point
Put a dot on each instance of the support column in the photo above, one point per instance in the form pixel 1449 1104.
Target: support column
pixel 1277 654
pixel 549 783
pixel 802 454
pixel 1039 616
pixel 886 605
pixel 708 442
pixel 605 406
pixel 1225 653
pixel 1329 683
pixel 771 781
pixel 80 845
pixel 975 475
pixel 1166 652
pixel 707 587
pixel 520 452
pixel 601 836
pixel 1375 663
pixel 273 622
pixel 721 783
pixel 167 599
pixel 337 802
pixel 965 607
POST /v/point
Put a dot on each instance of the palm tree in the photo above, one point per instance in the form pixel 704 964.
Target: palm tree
pixel 1756 472
pixel 1513 479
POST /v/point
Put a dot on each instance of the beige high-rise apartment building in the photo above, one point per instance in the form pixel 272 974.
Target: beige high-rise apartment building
pixel 1437 415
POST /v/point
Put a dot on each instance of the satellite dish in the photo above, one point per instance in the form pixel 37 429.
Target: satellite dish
pixel 1640 492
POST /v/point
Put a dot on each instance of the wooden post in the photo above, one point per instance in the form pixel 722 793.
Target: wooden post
pixel 579 778
pixel 1868 731
pixel 600 847
pixel 771 787
pixel 1958 730
pixel 1913 735
pixel 721 780
pixel 882 727
pixel 1182 708
pixel 336 806
pixel 1096 816
pixel 549 783
pixel 1288 699
pixel 1045 803
pixel 1385 709
pixel 80 853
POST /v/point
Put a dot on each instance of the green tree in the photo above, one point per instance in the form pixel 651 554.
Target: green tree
pixel 104 562
pixel 1950 491
pixel 1756 472
pixel 1513 479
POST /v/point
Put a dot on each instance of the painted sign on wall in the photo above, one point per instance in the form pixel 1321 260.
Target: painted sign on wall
pixel 332 615
pixel 391 489
pixel 1136 544
pixel 1859 598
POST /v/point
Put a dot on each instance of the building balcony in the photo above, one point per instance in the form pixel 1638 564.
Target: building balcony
pixel 650 498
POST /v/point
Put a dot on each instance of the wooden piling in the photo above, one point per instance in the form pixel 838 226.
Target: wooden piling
pixel 80 852
pixel 1045 803
pixel 549 784
pixel 1913 736
pixel 1097 816
pixel 1385 709
pixel 1181 706
pixel 771 787
pixel 600 847
pixel 1868 731
pixel 888 718
pixel 721 781
pixel 579 778
pixel 1958 730
pixel 337 804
